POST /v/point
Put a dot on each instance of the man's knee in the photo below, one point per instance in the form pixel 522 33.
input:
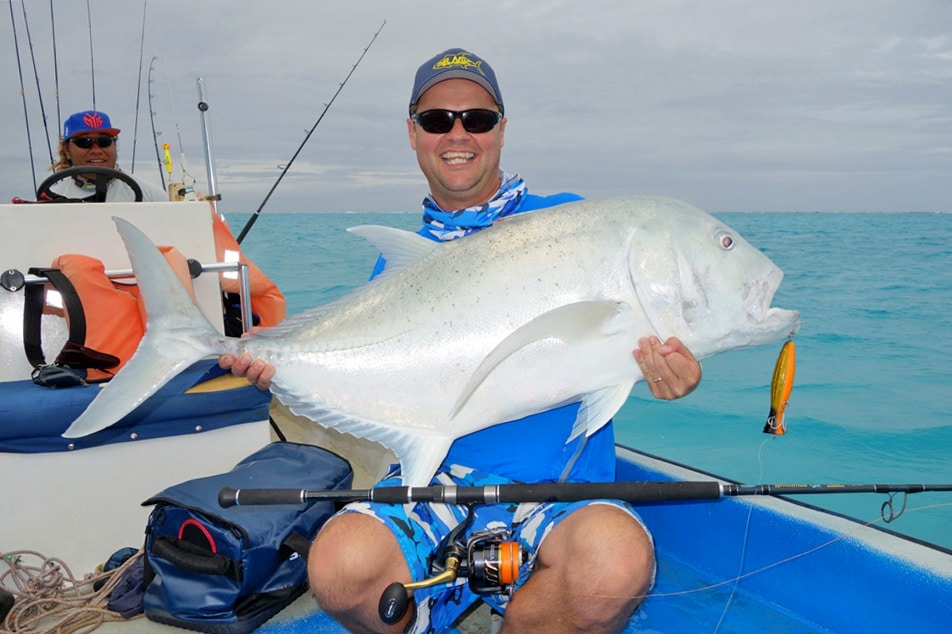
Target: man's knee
pixel 350 555
pixel 605 549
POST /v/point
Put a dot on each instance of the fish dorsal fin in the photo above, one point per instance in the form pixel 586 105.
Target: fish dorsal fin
pixel 398 247
pixel 572 324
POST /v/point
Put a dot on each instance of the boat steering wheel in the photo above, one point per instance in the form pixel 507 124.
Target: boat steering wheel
pixel 103 174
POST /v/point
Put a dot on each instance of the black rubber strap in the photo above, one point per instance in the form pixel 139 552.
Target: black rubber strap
pixel 34 296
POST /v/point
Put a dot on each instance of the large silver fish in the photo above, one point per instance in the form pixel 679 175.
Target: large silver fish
pixel 540 310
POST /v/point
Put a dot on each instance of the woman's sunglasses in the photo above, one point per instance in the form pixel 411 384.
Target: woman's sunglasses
pixel 86 142
pixel 476 121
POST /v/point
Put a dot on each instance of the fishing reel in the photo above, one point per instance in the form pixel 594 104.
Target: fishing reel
pixel 489 561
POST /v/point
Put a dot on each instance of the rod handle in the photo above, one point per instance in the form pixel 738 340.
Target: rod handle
pixel 230 496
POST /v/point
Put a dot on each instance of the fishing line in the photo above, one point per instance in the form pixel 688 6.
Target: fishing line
pixel 781 386
pixel 743 547
pixel 762 569
pixel 793 557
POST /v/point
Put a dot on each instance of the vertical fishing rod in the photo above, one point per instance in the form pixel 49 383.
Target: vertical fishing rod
pixel 92 63
pixel 36 77
pixel 26 115
pixel 155 135
pixel 135 127
pixel 59 118
pixel 188 181
pixel 254 216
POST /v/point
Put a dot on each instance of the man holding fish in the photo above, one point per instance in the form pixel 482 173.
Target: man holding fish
pixel 589 563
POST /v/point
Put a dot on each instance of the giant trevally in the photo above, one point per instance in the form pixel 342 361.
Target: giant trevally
pixel 539 310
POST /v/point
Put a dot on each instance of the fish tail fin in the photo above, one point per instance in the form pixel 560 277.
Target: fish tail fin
pixel 177 335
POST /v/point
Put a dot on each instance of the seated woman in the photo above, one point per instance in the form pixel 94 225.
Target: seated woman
pixel 90 141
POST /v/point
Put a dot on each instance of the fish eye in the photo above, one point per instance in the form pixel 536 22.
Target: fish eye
pixel 724 240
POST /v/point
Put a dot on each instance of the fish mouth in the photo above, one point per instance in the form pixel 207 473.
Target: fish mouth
pixel 760 295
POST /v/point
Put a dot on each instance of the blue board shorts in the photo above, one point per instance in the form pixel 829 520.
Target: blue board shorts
pixel 419 528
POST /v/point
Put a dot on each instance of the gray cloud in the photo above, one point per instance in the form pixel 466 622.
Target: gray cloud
pixel 732 105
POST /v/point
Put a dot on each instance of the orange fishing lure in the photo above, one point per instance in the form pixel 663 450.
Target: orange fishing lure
pixel 780 389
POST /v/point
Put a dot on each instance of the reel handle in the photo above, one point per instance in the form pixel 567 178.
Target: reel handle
pixel 393 603
pixel 396 597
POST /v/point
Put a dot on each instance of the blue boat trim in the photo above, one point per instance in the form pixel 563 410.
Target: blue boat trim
pixel 32 418
pixel 790 500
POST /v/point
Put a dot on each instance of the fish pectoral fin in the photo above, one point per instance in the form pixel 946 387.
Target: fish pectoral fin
pixel 398 247
pixel 597 408
pixel 570 324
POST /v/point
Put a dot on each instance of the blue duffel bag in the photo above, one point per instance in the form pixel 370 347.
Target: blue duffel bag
pixel 228 570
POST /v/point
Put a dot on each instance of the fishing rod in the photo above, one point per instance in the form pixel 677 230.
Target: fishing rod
pixel 92 62
pixel 489 559
pixel 663 491
pixel 36 78
pixel 26 115
pixel 327 106
pixel 59 117
pixel 135 127
pixel 186 188
pixel 155 135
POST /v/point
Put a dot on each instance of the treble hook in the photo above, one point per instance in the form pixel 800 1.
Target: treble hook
pixel 888 512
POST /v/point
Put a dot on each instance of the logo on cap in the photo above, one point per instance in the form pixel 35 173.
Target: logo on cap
pixel 460 60
pixel 92 120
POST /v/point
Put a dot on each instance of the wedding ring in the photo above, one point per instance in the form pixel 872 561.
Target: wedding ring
pixel 657 379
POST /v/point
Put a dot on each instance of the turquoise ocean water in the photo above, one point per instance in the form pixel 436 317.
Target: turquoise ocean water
pixel 872 401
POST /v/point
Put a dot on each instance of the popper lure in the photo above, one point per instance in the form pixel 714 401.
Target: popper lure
pixel 780 388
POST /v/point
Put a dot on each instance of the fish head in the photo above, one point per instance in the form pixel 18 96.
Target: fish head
pixel 699 280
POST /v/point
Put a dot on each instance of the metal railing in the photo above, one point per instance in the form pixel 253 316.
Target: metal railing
pixel 13 280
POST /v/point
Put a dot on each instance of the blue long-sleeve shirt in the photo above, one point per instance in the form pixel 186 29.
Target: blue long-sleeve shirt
pixel 536 448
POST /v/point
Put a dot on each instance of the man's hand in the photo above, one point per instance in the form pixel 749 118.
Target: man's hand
pixel 670 369
pixel 258 372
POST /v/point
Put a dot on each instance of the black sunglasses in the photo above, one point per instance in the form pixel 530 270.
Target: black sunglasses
pixel 476 121
pixel 87 142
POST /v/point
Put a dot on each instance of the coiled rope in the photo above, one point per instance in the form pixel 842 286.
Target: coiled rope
pixel 50 599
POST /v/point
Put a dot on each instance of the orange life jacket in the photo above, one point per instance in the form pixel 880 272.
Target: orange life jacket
pixel 114 312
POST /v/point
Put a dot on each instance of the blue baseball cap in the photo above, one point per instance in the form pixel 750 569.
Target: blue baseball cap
pixel 88 121
pixel 455 63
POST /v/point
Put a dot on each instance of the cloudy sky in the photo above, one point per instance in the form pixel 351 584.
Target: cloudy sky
pixel 732 105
